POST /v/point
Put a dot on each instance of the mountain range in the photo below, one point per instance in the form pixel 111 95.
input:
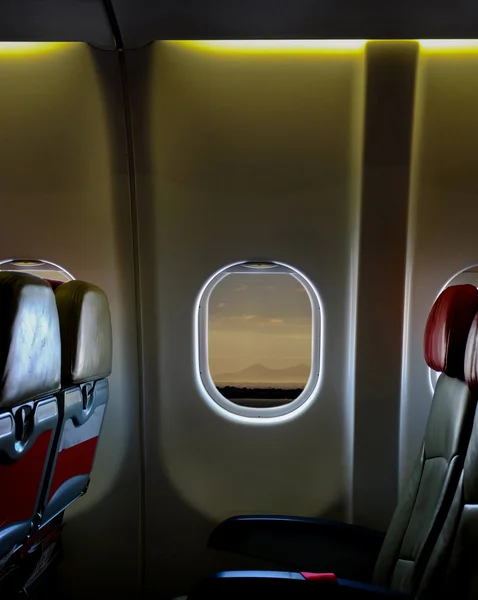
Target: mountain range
pixel 258 373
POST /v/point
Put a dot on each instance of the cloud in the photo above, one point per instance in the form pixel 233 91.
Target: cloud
pixel 222 304
pixel 294 336
pixel 253 321
pixel 241 288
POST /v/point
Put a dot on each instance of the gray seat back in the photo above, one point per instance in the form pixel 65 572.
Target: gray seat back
pixel 423 508
pixel 452 571
pixel 30 364
pixel 86 338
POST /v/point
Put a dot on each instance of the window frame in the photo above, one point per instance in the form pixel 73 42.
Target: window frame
pixel 205 379
pixel 38 262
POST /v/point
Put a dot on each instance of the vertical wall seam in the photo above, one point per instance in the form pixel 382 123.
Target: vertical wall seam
pixel 358 117
pixel 389 103
pixel 409 259
pixel 131 171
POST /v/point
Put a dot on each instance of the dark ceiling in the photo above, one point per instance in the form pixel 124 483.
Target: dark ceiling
pixel 141 21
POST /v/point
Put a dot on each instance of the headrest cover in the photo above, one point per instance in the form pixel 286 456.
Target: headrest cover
pixel 85 326
pixel 447 329
pixel 471 357
pixel 30 347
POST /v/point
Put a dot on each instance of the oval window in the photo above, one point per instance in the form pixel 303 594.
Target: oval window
pixel 470 276
pixel 42 268
pixel 259 339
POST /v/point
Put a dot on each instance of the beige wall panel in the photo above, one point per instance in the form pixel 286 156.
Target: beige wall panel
pixel 241 156
pixel 64 198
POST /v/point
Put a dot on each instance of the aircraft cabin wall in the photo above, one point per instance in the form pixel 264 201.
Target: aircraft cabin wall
pixel 64 190
pixel 252 157
pixel 352 163
pixel 315 159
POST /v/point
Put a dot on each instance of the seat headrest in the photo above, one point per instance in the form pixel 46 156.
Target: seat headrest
pixel 447 329
pixel 30 346
pixel 85 326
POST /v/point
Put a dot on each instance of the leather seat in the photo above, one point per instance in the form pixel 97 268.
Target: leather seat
pixel 398 560
pixel 86 358
pixel 423 508
pixel 452 571
pixel 30 368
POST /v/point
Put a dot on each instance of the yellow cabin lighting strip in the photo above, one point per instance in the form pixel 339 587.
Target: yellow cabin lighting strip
pixel 255 46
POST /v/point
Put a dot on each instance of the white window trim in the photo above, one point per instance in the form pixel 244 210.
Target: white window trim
pixel 40 261
pixel 204 378
pixel 433 377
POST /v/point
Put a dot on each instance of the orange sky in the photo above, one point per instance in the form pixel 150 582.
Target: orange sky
pixel 259 318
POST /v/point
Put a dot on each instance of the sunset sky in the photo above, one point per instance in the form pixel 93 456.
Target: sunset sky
pixel 258 318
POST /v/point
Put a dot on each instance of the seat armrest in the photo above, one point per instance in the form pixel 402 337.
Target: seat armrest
pixel 301 543
pixel 276 585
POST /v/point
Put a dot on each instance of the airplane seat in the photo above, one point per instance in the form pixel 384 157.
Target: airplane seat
pixel 396 561
pixel 85 327
pixel 30 367
pixel 424 505
pixel 452 571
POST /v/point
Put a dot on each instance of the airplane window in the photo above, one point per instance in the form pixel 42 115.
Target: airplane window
pixel 42 268
pixel 259 339
pixel 469 275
